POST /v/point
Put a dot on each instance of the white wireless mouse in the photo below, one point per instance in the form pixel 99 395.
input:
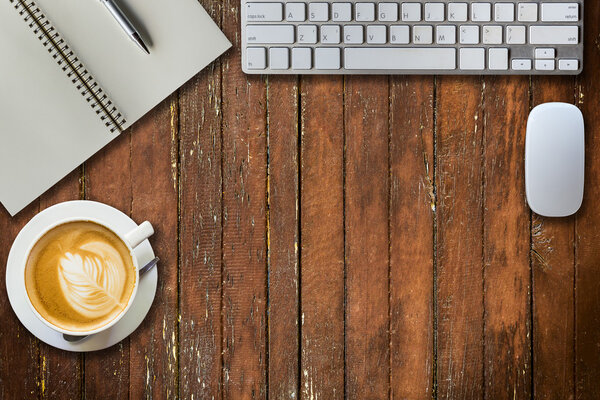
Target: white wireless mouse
pixel 554 159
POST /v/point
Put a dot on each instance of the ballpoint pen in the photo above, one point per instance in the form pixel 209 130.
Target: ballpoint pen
pixel 125 24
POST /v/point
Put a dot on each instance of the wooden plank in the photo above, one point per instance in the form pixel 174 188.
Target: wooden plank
pixel 153 346
pixel 19 353
pixel 200 236
pixel 108 179
pixel 244 223
pixel 553 270
pixel 587 234
pixel 507 283
pixel 412 208
pixel 283 237
pixel 61 375
pixel 322 238
pixel 367 235
pixel 459 238
pixel 200 232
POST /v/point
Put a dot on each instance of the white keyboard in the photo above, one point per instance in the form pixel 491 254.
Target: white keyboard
pixel 543 37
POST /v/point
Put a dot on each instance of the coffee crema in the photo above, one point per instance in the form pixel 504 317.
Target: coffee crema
pixel 79 276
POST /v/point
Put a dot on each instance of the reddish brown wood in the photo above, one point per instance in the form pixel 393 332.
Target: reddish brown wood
pixel 283 237
pixel 322 238
pixel 200 232
pixel 19 353
pixel 552 261
pixel 61 374
pixel 200 336
pixel 244 223
pixel 367 236
pixel 507 286
pixel 459 238
pixel 412 208
pixel 154 163
pixel 587 234
pixel 108 179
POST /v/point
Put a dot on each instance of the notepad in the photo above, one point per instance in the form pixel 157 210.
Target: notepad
pixel 71 80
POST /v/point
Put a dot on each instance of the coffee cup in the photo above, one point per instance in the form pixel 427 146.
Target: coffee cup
pixel 81 276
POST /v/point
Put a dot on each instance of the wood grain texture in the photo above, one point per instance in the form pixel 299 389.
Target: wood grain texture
pixel 367 235
pixel 19 354
pixel 108 179
pixel 459 238
pixel 244 223
pixel 61 373
pixel 153 347
pixel 587 234
pixel 283 235
pixel 412 209
pixel 200 233
pixel 553 268
pixel 200 335
pixel 322 240
pixel 507 287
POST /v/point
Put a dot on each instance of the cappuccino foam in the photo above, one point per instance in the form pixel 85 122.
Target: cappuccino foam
pixel 79 276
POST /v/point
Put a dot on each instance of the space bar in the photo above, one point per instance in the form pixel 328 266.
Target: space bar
pixel 400 58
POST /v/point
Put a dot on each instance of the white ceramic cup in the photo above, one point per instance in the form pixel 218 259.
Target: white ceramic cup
pixel 132 239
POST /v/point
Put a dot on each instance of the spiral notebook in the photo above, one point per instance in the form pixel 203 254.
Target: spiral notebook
pixel 71 80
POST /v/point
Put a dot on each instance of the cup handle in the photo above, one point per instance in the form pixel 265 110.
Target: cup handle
pixel 139 234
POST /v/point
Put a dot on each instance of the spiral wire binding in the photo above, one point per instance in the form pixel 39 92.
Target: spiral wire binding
pixel 68 61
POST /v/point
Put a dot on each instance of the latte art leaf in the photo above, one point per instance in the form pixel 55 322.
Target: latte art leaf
pixel 91 284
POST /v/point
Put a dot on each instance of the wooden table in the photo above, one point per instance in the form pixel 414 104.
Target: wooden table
pixel 331 237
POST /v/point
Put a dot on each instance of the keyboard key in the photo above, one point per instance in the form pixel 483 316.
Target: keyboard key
pixel 498 59
pixel 353 34
pixel 542 34
pixel 295 12
pixel 544 65
pixel 264 12
pixel 445 34
pixel 528 12
pixel 481 12
pixel 341 12
pixel 560 12
pixel 256 58
pixel 545 53
pixel 521 64
pixel 279 58
pixel 388 12
pixel 568 65
pixel 469 34
pixel 376 34
pixel 492 34
pixel 365 12
pixel 318 12
pixel 434 12
pixel 404 58
pixel 327 58
pixel 301 58
pixel 307 34
pixel 457 12
pixel 399 34
pixel 276 34
pixel 411 12
pixel 330 34
pixel 515 34
pixel 504 12
pixel 472 59
pixel 423 34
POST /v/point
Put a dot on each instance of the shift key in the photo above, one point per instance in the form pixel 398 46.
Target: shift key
pixel 553 34
pixel 265 34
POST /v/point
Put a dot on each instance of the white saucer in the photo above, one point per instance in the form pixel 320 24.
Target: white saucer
pixel 15 285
